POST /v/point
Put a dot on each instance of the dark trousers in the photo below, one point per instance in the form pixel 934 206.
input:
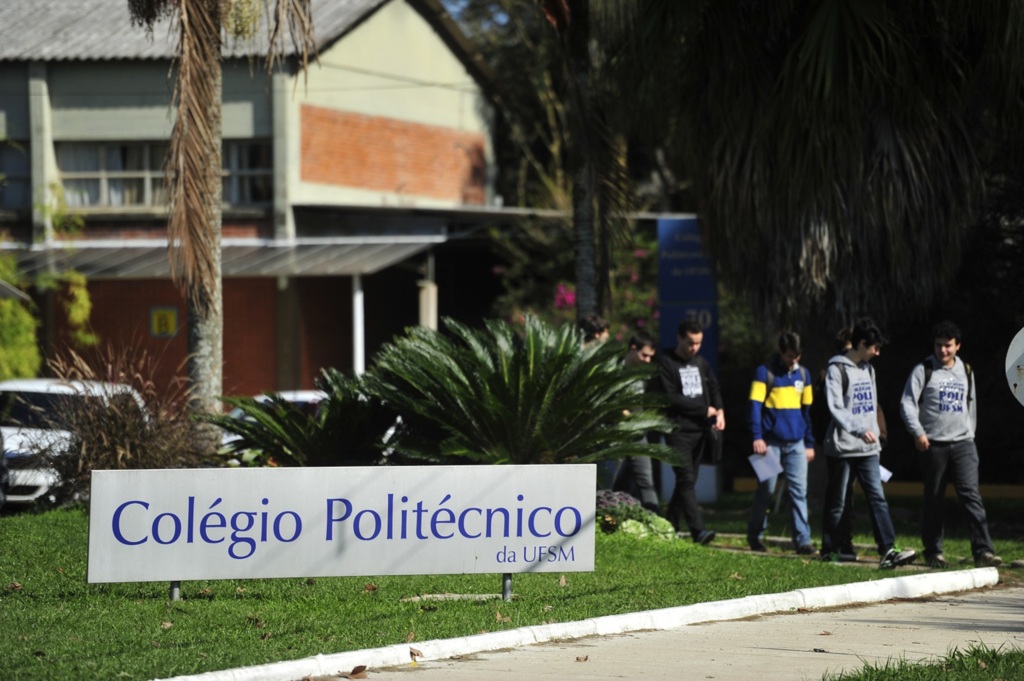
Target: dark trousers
pixel 956 462
pixel 865 468
pixel 683 505
pixel 636 476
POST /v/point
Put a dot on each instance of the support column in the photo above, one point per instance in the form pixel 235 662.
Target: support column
pixel 358 327
pixel 287 322
pixel 286 157
pixel 44 173
pixel 41 151
pixel 428 296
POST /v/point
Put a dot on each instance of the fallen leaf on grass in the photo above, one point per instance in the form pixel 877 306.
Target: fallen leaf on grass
pixel 982 664
pixel 14 586
pixel 583 658
pixel 548 608
pixel 561 581
pixel 499 618
pixel 370 587
pixel 166 625
pixel 310 582
pixel 240 590
pixel 358 672
pixel 265 636
pixel 410 637
pixel 736 575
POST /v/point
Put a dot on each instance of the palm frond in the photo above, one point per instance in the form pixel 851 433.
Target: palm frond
pixel 350 427
pixel 509 395
pixel 194 157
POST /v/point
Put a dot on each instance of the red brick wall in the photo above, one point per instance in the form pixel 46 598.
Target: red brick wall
pixel 389 155
pixel 249 345
pixel 325 334
pixel 120 317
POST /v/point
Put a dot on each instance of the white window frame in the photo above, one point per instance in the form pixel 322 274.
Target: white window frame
pixel 147 174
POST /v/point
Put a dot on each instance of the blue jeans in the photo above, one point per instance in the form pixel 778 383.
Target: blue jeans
pixel 833 537
pixel 793 457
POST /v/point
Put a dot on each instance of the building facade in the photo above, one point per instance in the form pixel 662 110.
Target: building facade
pixel 344 188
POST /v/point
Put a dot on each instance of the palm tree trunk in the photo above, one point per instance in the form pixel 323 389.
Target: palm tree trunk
pixel 582 152
pixel 195 228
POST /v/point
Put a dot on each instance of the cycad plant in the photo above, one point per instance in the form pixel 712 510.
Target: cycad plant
pixel 516 395
pixel 350 428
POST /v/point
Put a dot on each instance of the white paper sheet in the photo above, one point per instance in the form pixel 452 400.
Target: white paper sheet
pixel 884 473
pixel 765 465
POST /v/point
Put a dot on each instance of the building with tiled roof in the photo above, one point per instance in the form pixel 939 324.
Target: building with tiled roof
pixel 342 188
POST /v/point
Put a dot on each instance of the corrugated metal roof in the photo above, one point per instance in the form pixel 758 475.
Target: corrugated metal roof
pixel 56 30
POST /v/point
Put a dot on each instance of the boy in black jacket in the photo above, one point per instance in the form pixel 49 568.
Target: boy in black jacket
pixel 695 405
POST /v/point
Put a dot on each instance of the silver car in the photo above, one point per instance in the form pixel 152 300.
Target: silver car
pixel 30 415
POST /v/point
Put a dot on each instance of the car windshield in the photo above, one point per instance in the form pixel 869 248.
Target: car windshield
pixel 36 410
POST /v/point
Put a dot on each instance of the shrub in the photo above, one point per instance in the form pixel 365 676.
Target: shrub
pixel 116 432
pixel 350 427
pixel 511 395
pixel 621 512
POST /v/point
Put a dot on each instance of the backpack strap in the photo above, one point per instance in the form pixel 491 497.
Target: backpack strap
pixel 846 377
pixel 769 381
pixel 928 371
pixel 970 383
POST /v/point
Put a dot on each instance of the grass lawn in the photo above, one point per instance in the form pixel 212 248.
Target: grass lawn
pixel 974 664
pixel 56 626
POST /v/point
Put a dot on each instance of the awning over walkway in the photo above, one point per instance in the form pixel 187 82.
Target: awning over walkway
pixel 331 241
pixel 148 258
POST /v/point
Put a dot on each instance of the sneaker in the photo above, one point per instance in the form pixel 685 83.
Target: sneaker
pixel 987 559
pixel 938 561
pixel 756 544
pixel 894 557
pixel 830 557
pixel 804 550
pixel 847 555
pixel 705 537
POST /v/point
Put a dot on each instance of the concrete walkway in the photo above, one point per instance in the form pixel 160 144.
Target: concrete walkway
pixel 794 635
pixel 802 645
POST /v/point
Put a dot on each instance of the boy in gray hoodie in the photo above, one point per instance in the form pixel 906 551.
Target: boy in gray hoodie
pixel 852 444
pixel 939 410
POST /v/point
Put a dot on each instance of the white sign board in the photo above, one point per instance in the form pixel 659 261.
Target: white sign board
pixel 1015 366
pixel 176 525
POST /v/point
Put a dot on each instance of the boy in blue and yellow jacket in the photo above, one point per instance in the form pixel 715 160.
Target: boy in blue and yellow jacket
pixel 780 422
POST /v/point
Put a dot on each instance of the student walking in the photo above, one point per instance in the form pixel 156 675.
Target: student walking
pixel 695 406
pixel 852 444
pixel 940 411
pixel 780 422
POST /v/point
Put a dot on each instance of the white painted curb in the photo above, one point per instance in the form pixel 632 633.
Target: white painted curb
pixel 911 586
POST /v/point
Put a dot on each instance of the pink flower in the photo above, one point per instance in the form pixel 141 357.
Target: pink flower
pixel 640 253
pixel 565 297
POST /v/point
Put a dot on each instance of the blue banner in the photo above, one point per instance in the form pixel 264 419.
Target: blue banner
pixel 686 284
